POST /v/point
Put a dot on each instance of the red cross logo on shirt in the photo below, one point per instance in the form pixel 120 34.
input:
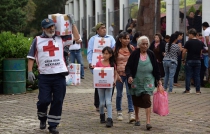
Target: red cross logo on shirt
pixel 101 42
pixel 71 66
pixel 50 48
pixel 66 24
pixel 102 74
pixel 99 57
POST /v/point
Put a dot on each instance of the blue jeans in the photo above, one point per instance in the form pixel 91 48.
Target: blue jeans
pixel 105 94
pixel 76 55
pixel 192 69
pixel 119 86
pixel 170 70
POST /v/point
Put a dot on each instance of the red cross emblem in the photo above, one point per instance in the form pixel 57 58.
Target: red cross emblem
pixel 50 48
pixel 71 66
pixel 99 57
pixel 102 74
pixel 66 24
pixel 101 42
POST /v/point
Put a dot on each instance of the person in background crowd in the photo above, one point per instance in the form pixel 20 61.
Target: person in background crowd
pixel 204 59
pixel 122 51
pixel 129 30
pixel 52 72
pixel 92 33
pixel 84 38
pixel 206 34
pixel 143 75
pixel 134 29
pixel 163 26
pixel 118 34
pixel 190 20
pixel 198 21
pixel 179 60
pixel 111 30
pixel 167 39
pixel 101 33
pixel 135 38
pixel 172 50
pixel 158 47
pixel 75 54
pixel 193 48
pixel 130 20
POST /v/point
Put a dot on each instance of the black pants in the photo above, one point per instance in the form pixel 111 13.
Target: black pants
pixel 179 62
pixel 96 97
pixel 202 72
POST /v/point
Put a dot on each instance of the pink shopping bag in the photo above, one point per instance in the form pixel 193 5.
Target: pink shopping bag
pixel 160 102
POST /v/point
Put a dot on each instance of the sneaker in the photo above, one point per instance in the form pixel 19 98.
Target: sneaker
pixel 186 92
pixel 102 118
pixel 172 92
pixel 131 117
pixel 119 116
pixel 198 92
pixel 109 122
pixel 82 77
pixel 177 85
pixel 137 123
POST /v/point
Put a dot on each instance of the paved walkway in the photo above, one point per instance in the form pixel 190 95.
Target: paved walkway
pixel 189 114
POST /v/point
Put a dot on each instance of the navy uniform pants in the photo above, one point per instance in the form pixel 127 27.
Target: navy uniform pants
pixel 52 90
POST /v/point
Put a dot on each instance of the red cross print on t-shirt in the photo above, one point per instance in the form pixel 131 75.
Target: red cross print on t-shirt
pixel 50 48
pixel 99 58
pixel 102 74
pixel 66 24
pixel 101 42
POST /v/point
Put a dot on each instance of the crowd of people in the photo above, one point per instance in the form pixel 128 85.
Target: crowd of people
pixel 139 64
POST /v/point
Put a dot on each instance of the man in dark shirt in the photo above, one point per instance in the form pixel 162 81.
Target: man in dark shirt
pixel 193 47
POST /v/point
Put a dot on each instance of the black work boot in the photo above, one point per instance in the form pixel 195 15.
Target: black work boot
pixel 102 117
pixel 109 122
pixel 42 125
pixel 53 130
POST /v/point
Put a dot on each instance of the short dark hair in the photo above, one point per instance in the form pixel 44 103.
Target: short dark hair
pixel 192 31
pixel 167 37
pixel 205 24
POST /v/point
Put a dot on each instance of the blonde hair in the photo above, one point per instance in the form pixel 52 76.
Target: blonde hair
pixel 139 41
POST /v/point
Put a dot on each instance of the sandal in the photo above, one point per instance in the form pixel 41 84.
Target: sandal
pixel 148 126
pixel 137 123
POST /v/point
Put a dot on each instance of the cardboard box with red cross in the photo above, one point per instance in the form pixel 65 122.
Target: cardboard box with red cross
pixel 100 43
pixel 96 57
pixel 74 68
pixel 103 77
pixel 74 74
pixel 62 24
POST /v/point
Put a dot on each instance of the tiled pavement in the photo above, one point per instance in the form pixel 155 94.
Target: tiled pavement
pixel 189 114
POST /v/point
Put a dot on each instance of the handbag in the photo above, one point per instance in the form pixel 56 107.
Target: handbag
pixel 160 102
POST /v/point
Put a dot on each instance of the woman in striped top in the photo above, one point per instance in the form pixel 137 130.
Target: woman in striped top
pixel 172 50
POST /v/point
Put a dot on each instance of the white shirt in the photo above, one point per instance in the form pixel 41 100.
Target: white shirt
pixel 206 33
pixel 75 46
pixel 110 32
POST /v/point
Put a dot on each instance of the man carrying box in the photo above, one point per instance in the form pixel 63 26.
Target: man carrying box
pixel 48 52
pixel 101 33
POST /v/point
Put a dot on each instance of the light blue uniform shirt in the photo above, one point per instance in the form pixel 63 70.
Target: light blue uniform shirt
pixel 91 45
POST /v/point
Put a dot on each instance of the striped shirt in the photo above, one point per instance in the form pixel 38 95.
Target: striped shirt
pixel 173 53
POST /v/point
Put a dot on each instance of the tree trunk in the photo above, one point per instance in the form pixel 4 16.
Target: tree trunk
pixel 146 18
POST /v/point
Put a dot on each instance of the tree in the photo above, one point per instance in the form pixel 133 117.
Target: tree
pixel 45 7
pixel 146 18
pixel 12 18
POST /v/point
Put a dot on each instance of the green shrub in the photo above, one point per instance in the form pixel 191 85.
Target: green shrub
pixel 13 46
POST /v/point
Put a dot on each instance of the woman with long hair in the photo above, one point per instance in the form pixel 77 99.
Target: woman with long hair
pixel 172 51
pixel 122 51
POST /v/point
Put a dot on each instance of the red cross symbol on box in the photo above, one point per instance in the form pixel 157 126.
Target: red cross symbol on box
pixel 102 74
pixel 101 42
pixel 66 24
pixel 71 66
pixel 50 48
pixel 99 57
